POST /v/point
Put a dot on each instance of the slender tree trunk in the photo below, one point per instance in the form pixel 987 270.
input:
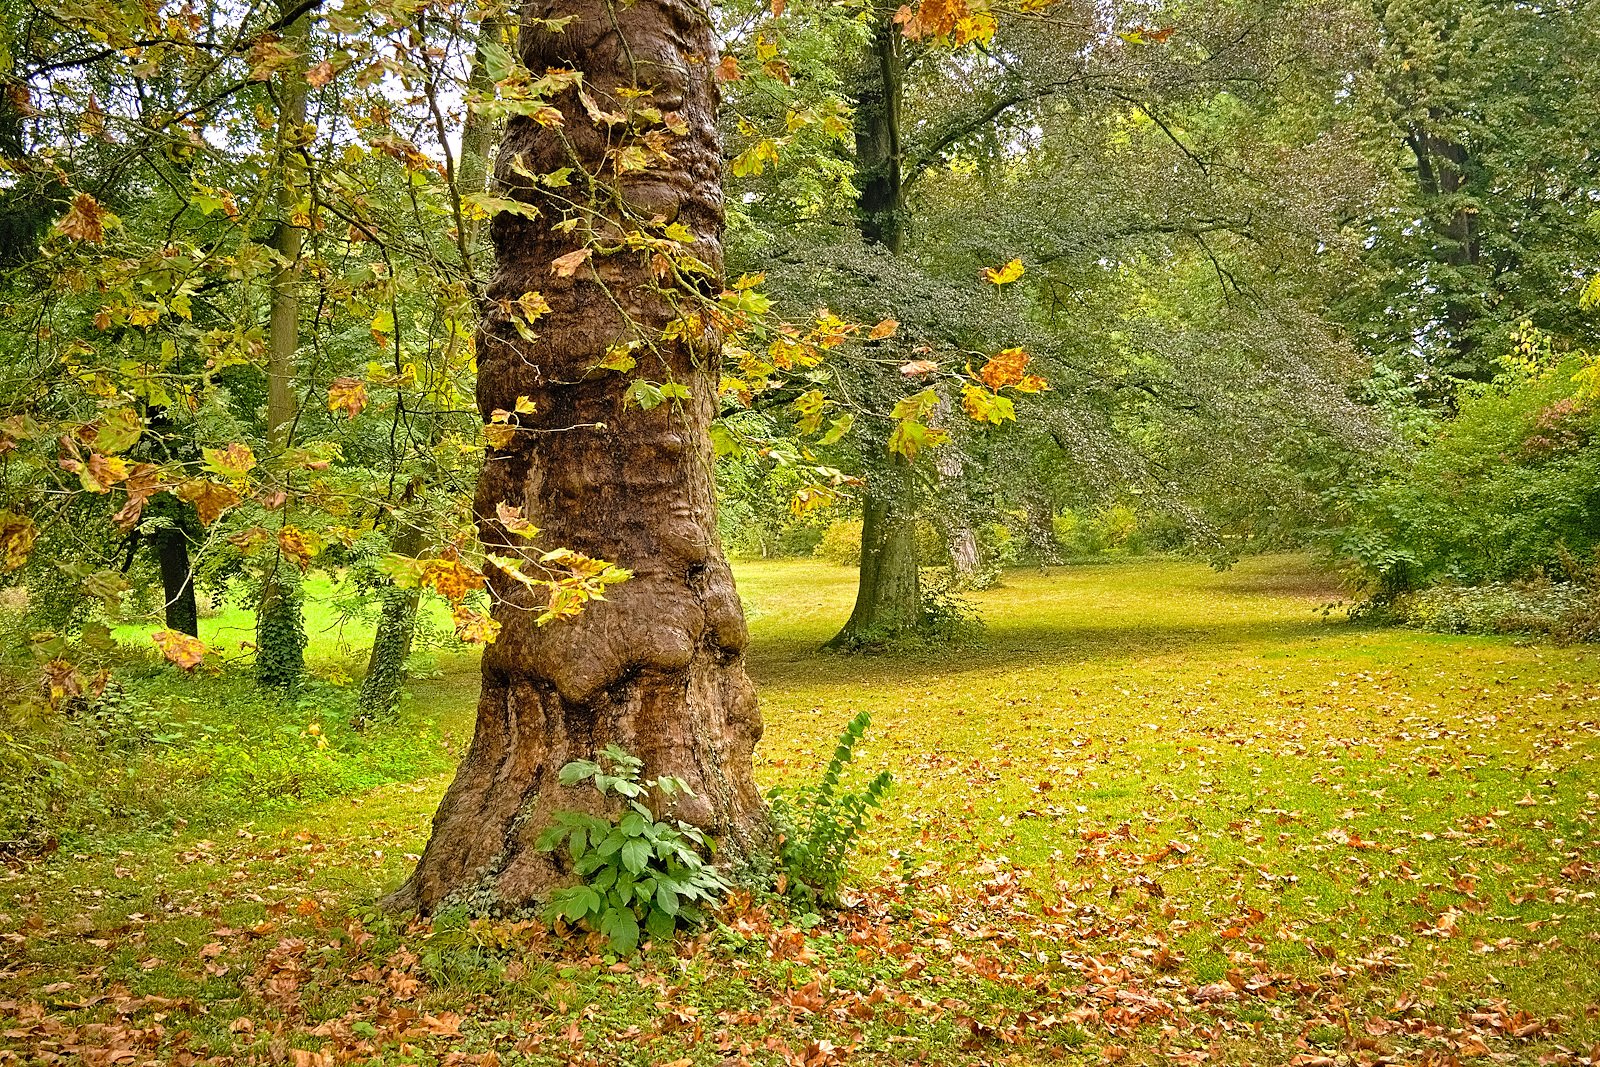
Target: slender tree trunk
pixel 397 624
pixel 888 595
pixel 1442 171
pixel 280 628
pixel 658 668
pixel 177 581
pixel 960 542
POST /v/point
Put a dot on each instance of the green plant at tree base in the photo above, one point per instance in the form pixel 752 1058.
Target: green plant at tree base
pixel 637 871
pixel 820 824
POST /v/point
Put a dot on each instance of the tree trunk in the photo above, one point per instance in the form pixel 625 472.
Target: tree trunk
pixel 280 627
pixel 391 644
pixel 889 593
pixel 952 514
pixel 177 581
pixel 657 668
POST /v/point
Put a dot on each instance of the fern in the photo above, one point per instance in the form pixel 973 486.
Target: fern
pixel 821 824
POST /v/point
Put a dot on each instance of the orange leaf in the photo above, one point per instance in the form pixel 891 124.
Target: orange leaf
pixel 886 328
pixel 85 221
pixel 1005 369
pixel 728 69
pixel 348 395
pixel 566 266
pixel 187 652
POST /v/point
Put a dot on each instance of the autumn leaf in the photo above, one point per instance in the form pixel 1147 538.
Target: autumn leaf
pixel 474 627
pixel 1005 369
pixel 451 579
pixel 320 75
pixel 210 499
pixel 918 367
pixel 348 395
pixel 1006 274
pixel 728 69
pixel 300 545
pixel 886 328
pixel 233 462
pixel 187 652
pixel 512 519
pixel 566 266
pixel 17 535
pixel 85 220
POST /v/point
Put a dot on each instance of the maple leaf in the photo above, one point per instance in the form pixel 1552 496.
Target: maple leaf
pixel 300 545
pixel 210 499
pixel 85 220
pixel 728 69
pixel 187 652
pixel 474 627
pixel 320 75
pixel 886 328
pixel 511 518
pixel 451 579
pixel 1004 275
pixel 1005 369
pixel 348 395
pixel 918 367
pixel 233 462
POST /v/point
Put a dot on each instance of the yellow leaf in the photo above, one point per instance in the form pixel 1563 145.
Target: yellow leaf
pixel 1006 274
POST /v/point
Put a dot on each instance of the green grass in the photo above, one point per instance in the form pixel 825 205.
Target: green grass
pixel 1152 814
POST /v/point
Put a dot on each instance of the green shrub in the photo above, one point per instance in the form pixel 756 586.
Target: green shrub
pixel 636 870
pixel 841 543
pixel 1566 610
pixel 821 824
pixel 1504 491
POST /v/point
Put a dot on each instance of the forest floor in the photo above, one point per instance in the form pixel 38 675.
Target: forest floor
pixel 1151 814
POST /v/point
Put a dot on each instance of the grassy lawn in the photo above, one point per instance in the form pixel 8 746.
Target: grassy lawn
pixel 1151 814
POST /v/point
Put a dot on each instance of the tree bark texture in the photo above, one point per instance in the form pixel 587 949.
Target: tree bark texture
pixel 177 581
pixel 658 668
pixel 889 593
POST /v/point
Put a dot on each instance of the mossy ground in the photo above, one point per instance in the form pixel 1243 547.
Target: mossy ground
pixel 1152 814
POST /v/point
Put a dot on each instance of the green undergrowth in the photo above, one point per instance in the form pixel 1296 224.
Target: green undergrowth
pixel 1152 814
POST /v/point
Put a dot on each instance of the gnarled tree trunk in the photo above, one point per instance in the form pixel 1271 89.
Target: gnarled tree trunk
pixel 658 668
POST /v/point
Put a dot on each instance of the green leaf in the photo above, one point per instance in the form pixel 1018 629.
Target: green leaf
pixel 622 928
pixel 666 899
pixel 636 855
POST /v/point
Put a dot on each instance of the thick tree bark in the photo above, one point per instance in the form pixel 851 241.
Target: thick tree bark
pixel 889 593
pixel 177 581
pixel 658 668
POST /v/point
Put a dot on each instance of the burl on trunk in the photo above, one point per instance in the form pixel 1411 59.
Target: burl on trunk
pixel 659 667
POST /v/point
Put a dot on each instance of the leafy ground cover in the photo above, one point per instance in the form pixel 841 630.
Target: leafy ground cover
pixel 1153 814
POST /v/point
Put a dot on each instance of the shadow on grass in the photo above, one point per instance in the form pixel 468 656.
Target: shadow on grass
pixel 792 662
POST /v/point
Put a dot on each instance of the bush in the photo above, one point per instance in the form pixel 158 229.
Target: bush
pixel 840 543
pixel 636 870
pixel 1503 492
pixel 1568 611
